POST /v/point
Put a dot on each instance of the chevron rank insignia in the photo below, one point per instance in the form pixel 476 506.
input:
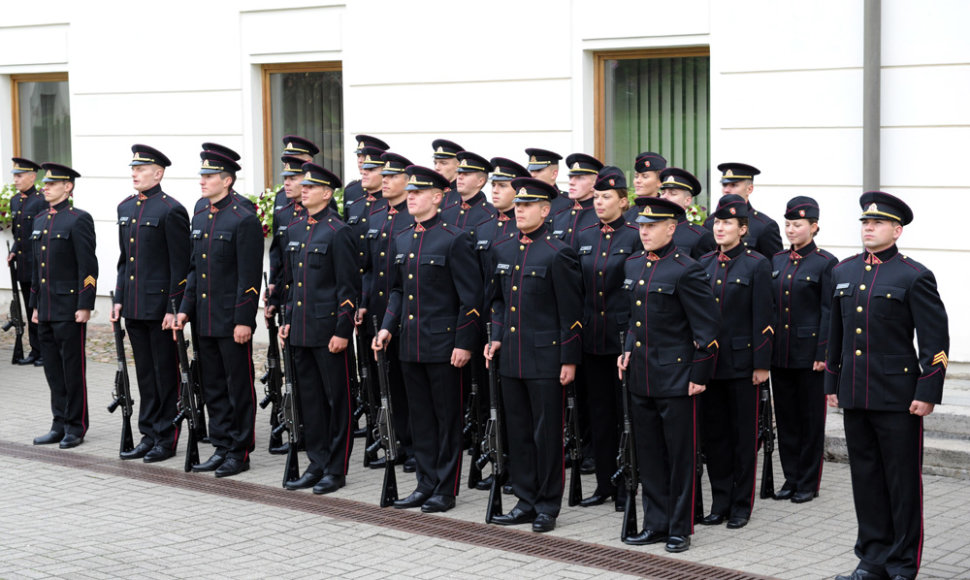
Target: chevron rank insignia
pixel 940 358
pixel 90 281
pixel 251 289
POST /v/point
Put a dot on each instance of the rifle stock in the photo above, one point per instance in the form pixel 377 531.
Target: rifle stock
pixel 493 444
pixel 16 320
pixel 272 381
pixel 627 462
pixel 473 427
pixel 369 398
pixel 386 436
pixel 122 390
pixel 187 408
pixel 291 420
pixel 574 445
pixel 766 436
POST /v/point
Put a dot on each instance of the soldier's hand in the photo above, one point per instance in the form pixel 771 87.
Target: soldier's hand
pixel 920 409
pixel 10 257
pixel 460 357
pixel 82 316
pixel 490 350
pixel 380 341
pixel 115 315
pixel 622 362
pixel 242 333
pixel 759 376
pixel 268 293
pixel 33 318
pixel 567 374
pixel 337 344
pixel 833 400
pixel 284 331
pixel 269 311
pixel 168 322
pixel 818 366
pixel 695 389
pixel 180 321
pixel 359 316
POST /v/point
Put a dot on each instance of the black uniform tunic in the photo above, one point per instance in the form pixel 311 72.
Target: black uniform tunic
pixel 24 206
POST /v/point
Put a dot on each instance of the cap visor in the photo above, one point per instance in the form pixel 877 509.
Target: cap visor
pixel 642 219
pixel 209 171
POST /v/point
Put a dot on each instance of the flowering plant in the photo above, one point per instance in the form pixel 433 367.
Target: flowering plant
pixel 696 214
pixel 265 208
pixel 6 218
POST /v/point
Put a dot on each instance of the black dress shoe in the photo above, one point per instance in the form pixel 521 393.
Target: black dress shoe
pixel 138 452
pixel 596 499
pixel 802 496
pixel 70 440
pixel 587 467
pixel 29 359
pixel 39 362
pixel 901 577
pixel 438 503
pixel 158 453
pixel 860 574
pixel 785 492
pixel 737 523
pixel 281 449
pixel 646 537
pixel 410 465
pixel 210 464
pixel 486 483
pixel 50 437
pixel 677 544
pixel 712 520
pixel 232 466
pixel 515 517
pixel 329 484
pixel 543 523
pixel 507 489
pixel 308 479
pixel 378 463
pixel 416 499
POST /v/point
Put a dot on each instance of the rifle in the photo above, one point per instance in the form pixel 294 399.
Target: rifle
pixel 385 435
pixel 573 444
pixel 187 408
pixel 290 413
pixel 698 471
pixel 122 392
pixel 493 446
pixel 626 459
pixel 473 431
pixel 368 403
pixel 766 439
pixel 16 320
pixel 356 396
pixel 272 381
pixel 195 373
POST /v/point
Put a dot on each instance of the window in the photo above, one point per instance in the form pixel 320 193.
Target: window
pixel 655 100
pixel 42 117
pixel 304 99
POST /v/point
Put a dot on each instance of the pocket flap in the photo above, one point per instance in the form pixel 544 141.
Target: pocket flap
pixel 150 222
pixel 441 325
pixel 547 338
pixel 670 356
pixel 318 248
pixel 324 310
pixel 741 280
pixel 583 250
pixel 662 288
pixel 899 364
pixel 741 342
pixel 843 289
pixel 890 292
pixel 806 331
pixel 225 236
pixel 536 271
pixel 432 260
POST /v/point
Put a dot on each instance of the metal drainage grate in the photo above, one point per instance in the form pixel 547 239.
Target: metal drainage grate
pixel 480 535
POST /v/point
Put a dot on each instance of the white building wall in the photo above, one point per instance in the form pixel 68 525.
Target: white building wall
pixel 786 92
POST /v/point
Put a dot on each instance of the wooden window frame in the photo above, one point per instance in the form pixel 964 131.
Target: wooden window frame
pixel 276 68
pixel 599 67
pixel 15 81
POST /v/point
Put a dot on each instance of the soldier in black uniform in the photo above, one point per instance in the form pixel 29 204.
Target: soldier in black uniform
pixel 536 311
pixel 544 166
pixel 762 236
pixel 474 209
pixel 646 180
pixel 153 238
pixel 741 281
pixel 354 191
pixel 63 286
pixel 433 309
pixel 885 385
pixel 323 285
pixel 802 286
pixel 446 163
pixel 672 339
pixel 583 170
pixel 372 184
pixel 680 187
pixel 221 296
pixel 603 251
pixel 241 200
pixel 503 200
pixel 388 219
pixel 24 205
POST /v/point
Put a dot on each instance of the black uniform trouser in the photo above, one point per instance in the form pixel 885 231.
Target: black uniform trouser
pixel 230 395
pixel 603 400
pixel 156 365
pixel 534 416
pixel 32 335
pixel 323 385
pixel 395 383
pixel 730 444
pixel 800 406
pixel 666 438
pixel 62 346
pixel 434 400
pixel 886 462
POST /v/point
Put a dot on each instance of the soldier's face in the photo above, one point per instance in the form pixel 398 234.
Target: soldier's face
pixel 742 188
pixel 315 197
pixel 291 186
pixel 214 185
pixel 530 215
pixel 799 232
pixel 502 195
pixel 646 183
pixel 448 167
pixel 360 162
pixel 879 235
pixel 145 177
pixel 24 181
pixel 423 203
pixel 371 178
pixel 470 183
pixel 393 187
pixel 608 205
pixel 678 196
pixel 656 235
pixel 57 191
pixel 581 186
pixel 728 232
pixel 549 174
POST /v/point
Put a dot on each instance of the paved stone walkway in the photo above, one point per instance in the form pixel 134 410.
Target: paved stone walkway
pixel 61 522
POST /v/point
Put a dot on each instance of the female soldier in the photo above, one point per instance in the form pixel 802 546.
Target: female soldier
pixel 741 280
pixel 603 250
pixel 802 287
